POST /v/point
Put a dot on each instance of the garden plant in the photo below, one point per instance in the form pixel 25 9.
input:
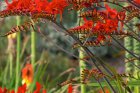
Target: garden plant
pixel 85 25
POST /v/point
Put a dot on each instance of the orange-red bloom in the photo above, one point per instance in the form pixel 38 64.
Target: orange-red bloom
pixel 70 89
pixel 18 4
pixel 112 13
pixel 12 91
pixel 56 6
pixel 137 1
pixel 3 90
pixel 27 74
pixel 53 7
pixel 22 89
pixel 38 87
pixel 44 91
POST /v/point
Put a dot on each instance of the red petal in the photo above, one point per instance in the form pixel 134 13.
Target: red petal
pixel 38 87
pixel 44 91
pixel 70 89
pixel 137 1
pixel 12 91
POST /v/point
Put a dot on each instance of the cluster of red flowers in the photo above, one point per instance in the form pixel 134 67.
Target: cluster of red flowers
pixel 23 89
pixel 111 20
pixel 107 25
pixel 70 89
pixel 110 24
pixel 53 7
pixel 27 78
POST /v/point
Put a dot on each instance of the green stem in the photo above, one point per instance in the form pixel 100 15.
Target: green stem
pixel 5 73
pixel 33 47
pixel 11 63
pixel 82 64
pixel 137 62
pixel 18 48
pixel 82 67
pixel 130 83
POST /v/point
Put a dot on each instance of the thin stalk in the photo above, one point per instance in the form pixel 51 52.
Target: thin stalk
pixel 18 48
pixel 128 46
pixel 10 50
pixel 137 62
pixel 130 83
pixel 11 63
pixel 127 50
pixel 33 47
pixel 82 64
pixel 5 73
pixel 135 34
pixel 138 67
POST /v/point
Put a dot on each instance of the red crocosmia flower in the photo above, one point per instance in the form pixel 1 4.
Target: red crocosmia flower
pixel 112 13
pixel 11 5
pixel 111 25
pixel 108 27
pixel 56 6
pixel 19 4
pixel 102 29
pixel 40 5
pixel 137 1
pixel 98 27
pixel 13 91
pixel 27 74
pixel 22 89
pixel 70 88
pixel 121 17
pixel 3 90
pixel 23 4
pixel 44 91
pixel 88 23
pixel 38 87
